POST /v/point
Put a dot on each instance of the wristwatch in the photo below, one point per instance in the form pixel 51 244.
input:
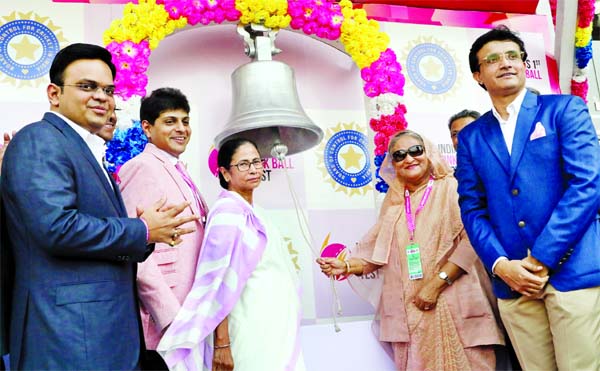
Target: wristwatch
pixel 444 276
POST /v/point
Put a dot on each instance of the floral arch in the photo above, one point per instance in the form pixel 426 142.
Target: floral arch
pixel 131 39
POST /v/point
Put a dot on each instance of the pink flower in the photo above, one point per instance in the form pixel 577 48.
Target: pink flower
pixel 207 17
pixel 131 61
pixel 366 74
pixel 375 124
pixel 371 90
pixel 174 12
pixel 297 23
pixel 580 89
pixel 232 14
pixel 585 13
pixel 380 150
pixel 383 76
pixel 323 18
pixel 219 15
pixel 379 139
pixel 309 28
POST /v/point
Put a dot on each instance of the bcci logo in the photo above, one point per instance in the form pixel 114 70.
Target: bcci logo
pixel 27 47
pixel 431 68
pixel 346 160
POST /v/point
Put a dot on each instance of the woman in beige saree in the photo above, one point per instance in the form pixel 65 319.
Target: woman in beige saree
pixel 433 307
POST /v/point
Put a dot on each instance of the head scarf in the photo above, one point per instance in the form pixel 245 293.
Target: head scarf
pixel 439 168
pixel 393 204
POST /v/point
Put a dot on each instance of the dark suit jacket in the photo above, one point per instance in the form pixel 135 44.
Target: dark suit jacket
pixel 74 304
pixel 543 197
pixel 6 282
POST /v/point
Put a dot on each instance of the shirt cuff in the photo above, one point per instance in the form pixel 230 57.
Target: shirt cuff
pixel 496 262
pixel 147 230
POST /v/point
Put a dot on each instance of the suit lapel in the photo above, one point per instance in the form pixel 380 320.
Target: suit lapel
pixel 87 154
pixel 494 138
pixel 525 122
pixel 117 193
pixel 185 190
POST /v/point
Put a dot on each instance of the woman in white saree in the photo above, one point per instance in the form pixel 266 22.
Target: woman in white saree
pixel 243 311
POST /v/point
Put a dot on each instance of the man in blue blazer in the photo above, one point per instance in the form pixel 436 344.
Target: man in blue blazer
pixel 75 251
pixel 529 185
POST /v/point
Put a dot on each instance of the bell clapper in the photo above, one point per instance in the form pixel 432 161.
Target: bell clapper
pixel 279 151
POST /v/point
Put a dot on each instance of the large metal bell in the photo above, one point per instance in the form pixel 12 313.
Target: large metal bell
pixel 267 111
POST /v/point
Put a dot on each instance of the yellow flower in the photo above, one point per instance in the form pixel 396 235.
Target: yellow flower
pixel 270 13
pixel 583 36
pixel 346 4
pixel 361 36
pixel 146 20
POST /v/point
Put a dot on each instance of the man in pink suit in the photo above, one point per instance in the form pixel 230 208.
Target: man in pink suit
pixel 166 277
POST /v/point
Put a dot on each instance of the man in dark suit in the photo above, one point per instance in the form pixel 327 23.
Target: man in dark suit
pixel 75 250
pixel 6 271
pixel 529 185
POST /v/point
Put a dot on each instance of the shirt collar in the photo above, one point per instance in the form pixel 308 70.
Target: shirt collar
pixel 94 142
pixel 172 159
pixel 513 108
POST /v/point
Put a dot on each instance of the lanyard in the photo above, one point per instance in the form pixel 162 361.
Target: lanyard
pixel 410 220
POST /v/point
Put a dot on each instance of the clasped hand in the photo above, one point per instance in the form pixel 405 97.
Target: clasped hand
pixel 163 222
pixel 527 276
pixel 427 297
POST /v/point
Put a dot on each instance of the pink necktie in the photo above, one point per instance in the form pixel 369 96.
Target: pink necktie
pixel 201 204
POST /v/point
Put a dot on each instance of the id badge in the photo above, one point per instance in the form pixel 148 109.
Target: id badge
pixel 413 255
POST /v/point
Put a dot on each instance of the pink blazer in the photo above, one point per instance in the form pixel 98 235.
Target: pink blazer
pixel 166 277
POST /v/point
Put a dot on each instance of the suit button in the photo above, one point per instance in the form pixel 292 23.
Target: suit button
pixel 515 192
pixel 521 224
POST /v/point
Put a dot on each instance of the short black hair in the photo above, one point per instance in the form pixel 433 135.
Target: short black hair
pixel 161 100
pixel 500 33
pixel 226 153
pixel 75 52
pixel 462 114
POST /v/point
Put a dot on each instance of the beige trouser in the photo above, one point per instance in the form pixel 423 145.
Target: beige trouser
pixel 560 331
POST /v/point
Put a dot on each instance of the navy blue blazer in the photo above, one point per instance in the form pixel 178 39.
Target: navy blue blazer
pixel 543 197
pixel 74 297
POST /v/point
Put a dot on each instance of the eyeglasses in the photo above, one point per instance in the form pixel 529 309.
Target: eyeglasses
pixel 245 165
pixel 92 87
pixel 414 151
pixel 511 55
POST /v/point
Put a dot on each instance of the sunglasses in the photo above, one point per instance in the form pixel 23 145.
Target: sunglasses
pixel 414 151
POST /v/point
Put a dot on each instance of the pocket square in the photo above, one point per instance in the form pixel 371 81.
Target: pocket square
pixel 538 132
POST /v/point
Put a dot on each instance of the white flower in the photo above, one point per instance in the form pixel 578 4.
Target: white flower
pixel 127 111
pixel 384 104
pixel 580 75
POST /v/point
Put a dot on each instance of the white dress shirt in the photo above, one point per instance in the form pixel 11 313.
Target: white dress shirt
pixel 508 128
pixel 94 143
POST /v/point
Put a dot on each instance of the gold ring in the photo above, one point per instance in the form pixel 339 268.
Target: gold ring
pixel 172 243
